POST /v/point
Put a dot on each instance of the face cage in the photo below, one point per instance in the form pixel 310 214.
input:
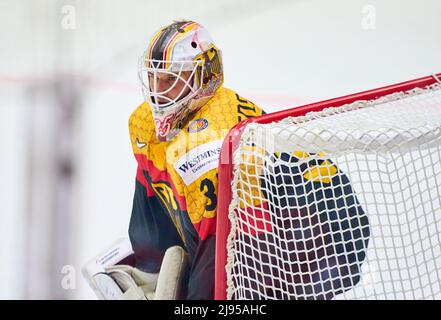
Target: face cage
pixel 175 70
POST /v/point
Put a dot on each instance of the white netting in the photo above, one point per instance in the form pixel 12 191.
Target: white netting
pixel 344 203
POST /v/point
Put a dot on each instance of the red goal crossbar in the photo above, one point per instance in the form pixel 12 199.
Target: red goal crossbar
pixel 231 142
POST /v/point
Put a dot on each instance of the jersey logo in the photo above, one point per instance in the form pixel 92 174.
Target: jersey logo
pixel 165 194
pixel 140 145
pixel 197 125
pixel 198 161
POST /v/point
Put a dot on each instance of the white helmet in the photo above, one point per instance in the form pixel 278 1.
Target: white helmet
pixel 183 47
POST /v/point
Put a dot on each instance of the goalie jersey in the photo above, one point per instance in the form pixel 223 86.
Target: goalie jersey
pixel 176 198
pixel 176 187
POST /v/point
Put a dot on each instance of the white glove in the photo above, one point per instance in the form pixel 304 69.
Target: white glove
pixel 133 283
pixel 113 281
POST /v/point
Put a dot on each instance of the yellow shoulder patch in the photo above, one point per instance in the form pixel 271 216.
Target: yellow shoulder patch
pixel 321 173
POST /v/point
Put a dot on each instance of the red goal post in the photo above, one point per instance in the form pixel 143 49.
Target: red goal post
pixel 231 142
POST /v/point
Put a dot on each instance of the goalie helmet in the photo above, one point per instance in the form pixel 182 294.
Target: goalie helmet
pixel 179 72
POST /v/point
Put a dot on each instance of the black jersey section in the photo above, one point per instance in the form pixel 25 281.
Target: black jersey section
pixel 151 230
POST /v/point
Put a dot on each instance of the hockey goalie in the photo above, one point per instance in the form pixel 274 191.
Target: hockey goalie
pixel 176 135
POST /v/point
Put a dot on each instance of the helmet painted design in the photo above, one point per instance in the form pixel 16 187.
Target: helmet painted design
pixel 184 54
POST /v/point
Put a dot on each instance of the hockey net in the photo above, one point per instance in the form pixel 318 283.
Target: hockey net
pixel 334 200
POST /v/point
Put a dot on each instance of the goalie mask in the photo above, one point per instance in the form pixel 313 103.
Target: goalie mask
pixel 179 72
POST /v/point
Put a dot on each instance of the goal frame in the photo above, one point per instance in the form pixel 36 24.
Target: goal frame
pixel 231 142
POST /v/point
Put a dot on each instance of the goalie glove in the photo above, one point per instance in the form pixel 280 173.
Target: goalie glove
pixel 111 279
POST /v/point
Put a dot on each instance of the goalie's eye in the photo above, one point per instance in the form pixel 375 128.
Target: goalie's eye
pixel 171 78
